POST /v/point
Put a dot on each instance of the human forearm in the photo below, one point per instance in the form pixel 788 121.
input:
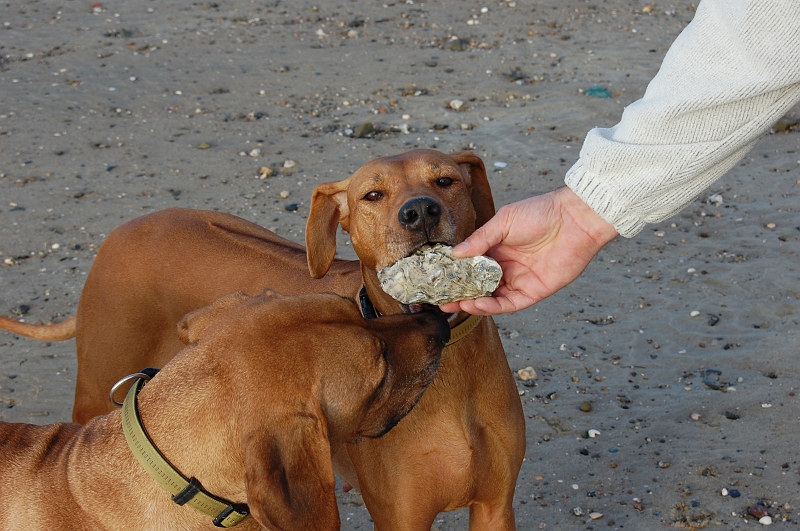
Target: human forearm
pixel 721 86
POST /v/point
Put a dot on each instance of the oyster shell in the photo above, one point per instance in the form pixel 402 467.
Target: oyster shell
pixel 432 275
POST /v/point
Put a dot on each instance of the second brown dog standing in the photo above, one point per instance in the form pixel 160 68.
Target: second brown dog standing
pixel 252 408
pixel 461 446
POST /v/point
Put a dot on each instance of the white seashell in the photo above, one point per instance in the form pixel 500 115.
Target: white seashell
pixel 432 275
pixel 593 433
pixel 456 104
pixel 528 373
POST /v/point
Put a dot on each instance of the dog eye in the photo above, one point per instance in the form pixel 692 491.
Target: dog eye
pixel 444 182
pixel 373 196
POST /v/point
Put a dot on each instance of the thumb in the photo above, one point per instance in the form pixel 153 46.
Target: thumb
pixel 480 241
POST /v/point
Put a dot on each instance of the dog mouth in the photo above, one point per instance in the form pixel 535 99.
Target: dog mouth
pixel 416 308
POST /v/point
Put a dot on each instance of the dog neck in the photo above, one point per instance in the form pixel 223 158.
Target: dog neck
pixel 185 491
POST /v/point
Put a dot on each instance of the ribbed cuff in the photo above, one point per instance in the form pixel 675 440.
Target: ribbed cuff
pixel 601 200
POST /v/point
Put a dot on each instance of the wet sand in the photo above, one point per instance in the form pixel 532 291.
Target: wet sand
pixel 111 112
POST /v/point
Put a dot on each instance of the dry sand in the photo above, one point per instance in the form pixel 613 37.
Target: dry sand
pixel 105 114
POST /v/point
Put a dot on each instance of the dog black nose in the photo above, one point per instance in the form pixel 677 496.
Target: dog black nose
pixel 420 213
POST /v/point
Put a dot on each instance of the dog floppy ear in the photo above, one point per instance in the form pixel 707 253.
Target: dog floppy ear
pixel 289 476
pixel 480 192
pixel 328 209
pixel 191 327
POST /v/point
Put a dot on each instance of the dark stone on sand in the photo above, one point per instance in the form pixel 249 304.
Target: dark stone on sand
pixel 732 415
pixel 292 207
pixel 363 130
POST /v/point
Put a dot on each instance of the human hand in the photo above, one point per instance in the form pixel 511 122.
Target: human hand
pixel 542 243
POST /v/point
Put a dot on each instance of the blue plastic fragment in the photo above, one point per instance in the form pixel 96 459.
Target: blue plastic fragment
pixel 597 92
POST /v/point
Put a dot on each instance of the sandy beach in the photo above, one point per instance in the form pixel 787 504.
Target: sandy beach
pixel 682 343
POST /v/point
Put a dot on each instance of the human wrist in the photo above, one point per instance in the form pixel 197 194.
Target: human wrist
pixel 577 211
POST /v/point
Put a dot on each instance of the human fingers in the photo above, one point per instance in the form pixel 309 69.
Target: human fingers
pixel 485 237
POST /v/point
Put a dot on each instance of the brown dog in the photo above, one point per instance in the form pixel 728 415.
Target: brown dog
pixel 268 387
pixel 462 445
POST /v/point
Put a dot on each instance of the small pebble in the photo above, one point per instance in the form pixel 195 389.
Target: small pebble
pixel 694 313
pixel 765 520
pixel 204 145
pixel 289 164
pixel 528 373
pixel 255 152
pixel 695 416
pixel 593 433
pixel 586 407
pixel 595 515
pixel 284 194
pixel 265 172
pixel 770 226
pixel 500 164
pixel 363 130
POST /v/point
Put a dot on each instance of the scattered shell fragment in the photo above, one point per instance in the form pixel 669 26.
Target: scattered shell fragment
pixel 694 313
pixel 284 194
pixel 595 515
pixel 204 145
pixel 289 164
pixel 593 433
pixel 432 275
pixel 765 520
pixel 256 152
pixel 456 104
pixel 265 172
pixel 528 373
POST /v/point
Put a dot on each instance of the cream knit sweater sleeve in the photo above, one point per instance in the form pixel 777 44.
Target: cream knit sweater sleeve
pixel 727 78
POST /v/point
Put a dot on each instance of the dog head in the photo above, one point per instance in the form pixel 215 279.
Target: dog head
pixel 310 373
pixel 393 205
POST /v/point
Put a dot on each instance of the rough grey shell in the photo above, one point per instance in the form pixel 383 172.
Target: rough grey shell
pixel 432 275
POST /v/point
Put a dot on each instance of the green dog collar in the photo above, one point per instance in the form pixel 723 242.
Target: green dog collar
pixel 184 491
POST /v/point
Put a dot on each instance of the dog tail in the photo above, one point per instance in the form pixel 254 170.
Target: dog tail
pixel 50 332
